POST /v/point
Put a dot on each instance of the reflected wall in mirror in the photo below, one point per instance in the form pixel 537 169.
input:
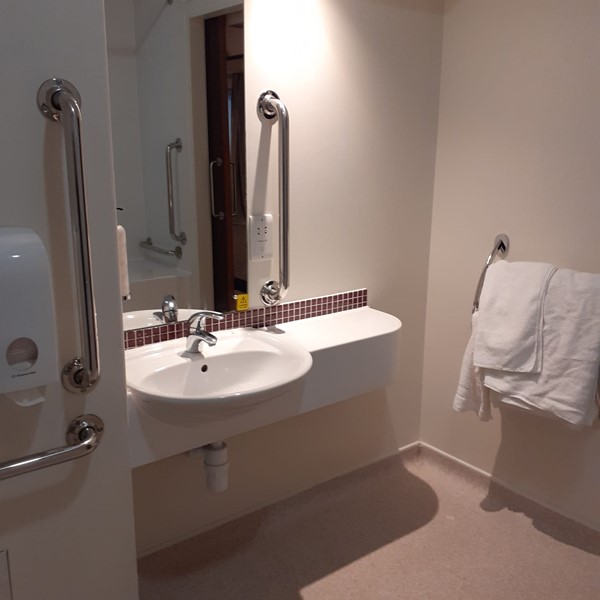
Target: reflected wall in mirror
pixel 224 42
pixel 160 62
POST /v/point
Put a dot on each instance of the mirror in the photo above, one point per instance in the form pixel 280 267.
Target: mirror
pixel 176 72
pixel 224 62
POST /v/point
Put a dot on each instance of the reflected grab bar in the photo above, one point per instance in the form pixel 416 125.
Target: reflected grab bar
pixel 271 109
pixel 148 244
pixel 211 175
pixel 176 145
pixel 213 211
pixel 59 101
pixel 83 436
pixel 501 246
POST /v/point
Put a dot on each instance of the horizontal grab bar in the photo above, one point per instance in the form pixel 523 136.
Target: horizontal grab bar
pixel 148 245
pixel 83 436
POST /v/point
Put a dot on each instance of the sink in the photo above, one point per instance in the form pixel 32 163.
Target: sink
pixel 245 367
pixel 151 318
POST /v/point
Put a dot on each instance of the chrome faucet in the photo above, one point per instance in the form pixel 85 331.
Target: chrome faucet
pixel 199 334
pixel 169 309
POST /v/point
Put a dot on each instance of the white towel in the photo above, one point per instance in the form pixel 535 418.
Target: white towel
pixel 122 255
pixel 509 331
pixel 566 385
pixel 471 395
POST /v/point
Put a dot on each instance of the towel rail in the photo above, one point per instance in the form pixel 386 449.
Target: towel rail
pixel 501 247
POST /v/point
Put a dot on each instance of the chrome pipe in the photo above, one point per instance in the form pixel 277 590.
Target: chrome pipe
pixel 83 436
pixel 271 109
pixel 176 145
pixel 59 101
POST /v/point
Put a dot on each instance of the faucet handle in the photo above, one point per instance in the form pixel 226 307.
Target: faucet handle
pixel 202 315
pixel 169 309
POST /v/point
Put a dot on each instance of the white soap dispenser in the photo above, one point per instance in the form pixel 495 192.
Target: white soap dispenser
pixel 28 357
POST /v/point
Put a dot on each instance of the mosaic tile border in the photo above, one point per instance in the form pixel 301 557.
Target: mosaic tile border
pixel 256 317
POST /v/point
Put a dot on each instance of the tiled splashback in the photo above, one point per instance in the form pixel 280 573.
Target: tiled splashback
pixel 257 317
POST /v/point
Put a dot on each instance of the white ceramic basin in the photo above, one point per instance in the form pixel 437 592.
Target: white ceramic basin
pixel 244 368
pixel 151 318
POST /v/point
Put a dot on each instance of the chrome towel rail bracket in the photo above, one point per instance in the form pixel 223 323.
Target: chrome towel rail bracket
pixel 83 436
pixel 501 247
pixel 60 102
pixel 271 109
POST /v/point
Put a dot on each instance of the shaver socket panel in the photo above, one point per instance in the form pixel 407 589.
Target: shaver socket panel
pixel 261 237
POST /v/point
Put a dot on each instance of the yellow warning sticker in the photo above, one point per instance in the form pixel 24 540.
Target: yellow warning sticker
pixel 241 302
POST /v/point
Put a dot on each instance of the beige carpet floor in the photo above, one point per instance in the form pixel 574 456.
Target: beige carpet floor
pixel 409 527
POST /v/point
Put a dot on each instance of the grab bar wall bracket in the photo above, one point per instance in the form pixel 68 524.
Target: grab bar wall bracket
pixel 59 101
pixel 271 109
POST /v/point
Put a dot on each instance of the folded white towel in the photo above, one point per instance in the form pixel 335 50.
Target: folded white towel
pixel 122 255
pixel 471 395
pixel 566 385
pixel 509 331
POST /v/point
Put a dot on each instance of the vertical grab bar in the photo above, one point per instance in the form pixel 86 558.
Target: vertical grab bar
pixel 176 145
pixel 59 101
pixel 211 175
pixel 271 109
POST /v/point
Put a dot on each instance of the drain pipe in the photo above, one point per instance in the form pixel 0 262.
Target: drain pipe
pixel 216 465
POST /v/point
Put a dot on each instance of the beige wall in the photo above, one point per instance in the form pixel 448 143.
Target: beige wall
pixel 360 80
pixel 68 528
pixel 518 152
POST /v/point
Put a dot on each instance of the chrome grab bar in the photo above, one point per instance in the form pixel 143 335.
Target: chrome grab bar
pixel 501 246
pixel 59 101
pixel 234 189
pixel 271 109
pixel 147 244
pixel 213 211
pixel 217 215
pixel 176 145
pixel 83 436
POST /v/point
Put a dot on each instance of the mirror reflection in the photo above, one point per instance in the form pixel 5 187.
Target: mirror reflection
pixel 176 78
pixel 224 43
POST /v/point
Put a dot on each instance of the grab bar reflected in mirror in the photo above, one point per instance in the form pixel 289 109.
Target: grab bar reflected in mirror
pixel 59 101
pixel 271 109
pixel 234 202
pixel 217 215
pixel 148 244
pixel 176 145
pixel 234 189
